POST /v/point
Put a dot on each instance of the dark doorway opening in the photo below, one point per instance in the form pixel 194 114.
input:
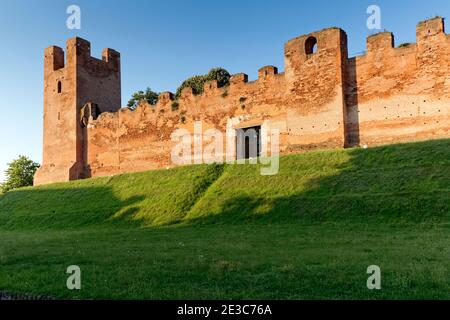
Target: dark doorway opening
pixel 248 143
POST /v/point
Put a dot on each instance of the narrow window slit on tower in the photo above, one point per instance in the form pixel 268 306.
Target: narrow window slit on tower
pixel 59 87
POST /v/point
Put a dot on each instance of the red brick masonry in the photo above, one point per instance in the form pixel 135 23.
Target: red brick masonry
pixel 322 100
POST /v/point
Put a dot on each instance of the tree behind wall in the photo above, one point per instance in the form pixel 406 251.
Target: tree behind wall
pixel 221 75
pixel 148 96
pixel 19 174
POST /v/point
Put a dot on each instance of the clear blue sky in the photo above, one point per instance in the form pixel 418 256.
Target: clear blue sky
pixel 163 42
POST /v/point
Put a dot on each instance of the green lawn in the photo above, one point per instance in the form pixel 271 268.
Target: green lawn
pixel 227 232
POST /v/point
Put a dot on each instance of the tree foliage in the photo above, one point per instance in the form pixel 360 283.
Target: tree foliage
pixel 19 174
pixel 221 75
pixel 197 82
pixel 139 97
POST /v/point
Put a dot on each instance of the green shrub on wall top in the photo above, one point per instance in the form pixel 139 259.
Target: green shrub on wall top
pixel 221 75
pixel 195 82
pixel 138 97
pixel 175 106
pixel 404 45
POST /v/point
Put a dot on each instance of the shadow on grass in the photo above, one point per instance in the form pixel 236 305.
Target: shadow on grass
pixel 405 183
pixel 59 207
pixel 397 183
pixel 139 199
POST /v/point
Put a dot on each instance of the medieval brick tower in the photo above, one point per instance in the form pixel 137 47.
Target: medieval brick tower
pixel 71 83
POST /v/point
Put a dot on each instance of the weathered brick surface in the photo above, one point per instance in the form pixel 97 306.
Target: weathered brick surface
pixel 322 100
pixel 400 94
pixel 80 79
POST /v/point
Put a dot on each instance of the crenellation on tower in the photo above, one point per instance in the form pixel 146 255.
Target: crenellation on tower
pixel 112 57
pixel 53 58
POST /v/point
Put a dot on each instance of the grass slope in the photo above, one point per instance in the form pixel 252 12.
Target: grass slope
pixel 227 232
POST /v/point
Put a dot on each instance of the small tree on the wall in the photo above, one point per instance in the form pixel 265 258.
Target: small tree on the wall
pixel 139 97
pixel 221 75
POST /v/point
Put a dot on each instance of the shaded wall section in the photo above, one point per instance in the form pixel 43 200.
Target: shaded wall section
pixel 400 94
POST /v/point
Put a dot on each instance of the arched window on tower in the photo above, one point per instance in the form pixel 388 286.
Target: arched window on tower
pixel 59 87
pixel 311 45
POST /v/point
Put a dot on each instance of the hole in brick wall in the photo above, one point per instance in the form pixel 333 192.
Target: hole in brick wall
pixel 59 115
pixel 311 45
pixel 59 87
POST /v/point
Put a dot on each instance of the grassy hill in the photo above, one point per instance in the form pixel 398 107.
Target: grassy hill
pixel 225 231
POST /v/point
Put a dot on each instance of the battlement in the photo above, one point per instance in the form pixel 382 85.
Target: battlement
pixel 166 97
pixel 379 41
pixel 267 72
pixel 427 31
pixel 314 45
pixel 210 87
pixel 238 79
pixel 304 53
pixel 323 99
pixel 54 58
pixel 430 28
pixel 78 52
